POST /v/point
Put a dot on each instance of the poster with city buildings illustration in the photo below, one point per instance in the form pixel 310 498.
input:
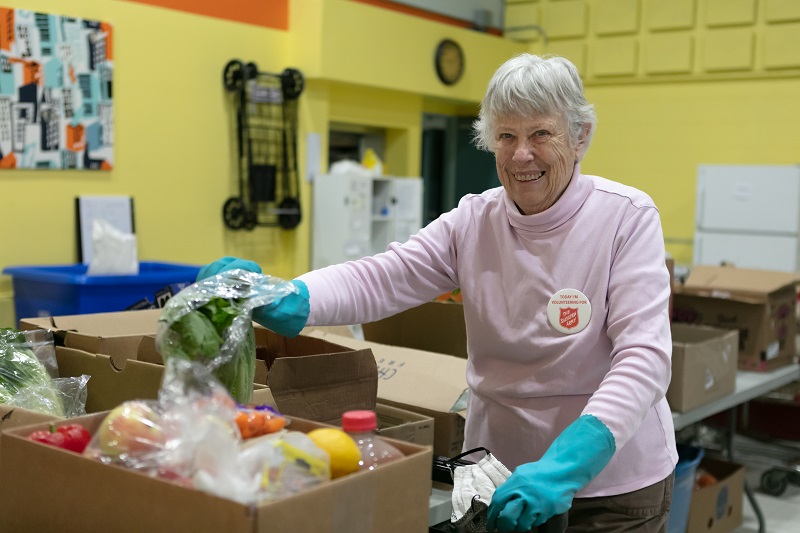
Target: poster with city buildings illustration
pixel 56 106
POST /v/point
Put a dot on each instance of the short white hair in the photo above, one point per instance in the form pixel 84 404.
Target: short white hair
pixel 531 85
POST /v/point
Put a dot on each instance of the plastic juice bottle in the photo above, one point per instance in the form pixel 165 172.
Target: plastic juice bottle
pixel 363 427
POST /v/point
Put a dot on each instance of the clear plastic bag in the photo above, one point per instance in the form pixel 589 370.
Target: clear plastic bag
pixel 28 371
pixel 189 436
pixel 211 322
pixel 41 343
pixel 161 437
pixel 60 396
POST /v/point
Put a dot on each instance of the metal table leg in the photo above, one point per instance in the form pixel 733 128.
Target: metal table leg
pixel 762 524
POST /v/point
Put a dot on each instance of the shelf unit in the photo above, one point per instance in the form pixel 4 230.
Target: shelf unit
pixel 357 215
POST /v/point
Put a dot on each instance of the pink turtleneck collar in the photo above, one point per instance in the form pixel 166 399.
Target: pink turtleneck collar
pixel 565 207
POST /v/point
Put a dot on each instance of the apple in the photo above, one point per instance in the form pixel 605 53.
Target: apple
pixel 133 427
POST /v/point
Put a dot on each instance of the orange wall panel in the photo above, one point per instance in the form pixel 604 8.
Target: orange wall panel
pixel 272 14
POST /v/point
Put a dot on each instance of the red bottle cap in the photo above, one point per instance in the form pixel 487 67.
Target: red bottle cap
pixel 359 421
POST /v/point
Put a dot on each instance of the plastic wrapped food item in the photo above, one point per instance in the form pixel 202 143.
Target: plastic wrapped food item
pixel 211 322
pixel 27 375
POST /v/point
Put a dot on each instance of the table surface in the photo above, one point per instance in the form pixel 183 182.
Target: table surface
pixel 749 385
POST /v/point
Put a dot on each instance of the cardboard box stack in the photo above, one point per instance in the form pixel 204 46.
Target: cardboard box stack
pixel 760 304
pixel 305 376
pixel 704 365
pixel 312 380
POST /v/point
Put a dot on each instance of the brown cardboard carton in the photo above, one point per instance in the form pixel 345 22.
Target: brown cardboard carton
pixel 704 365
pixel 428 383
pixel 717 508
pixel 758 303
pixel 401 424
pixel 433 327
pixel 103 326
pixel 115 499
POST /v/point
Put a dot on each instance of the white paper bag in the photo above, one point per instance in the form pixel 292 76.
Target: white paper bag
pixel 113 252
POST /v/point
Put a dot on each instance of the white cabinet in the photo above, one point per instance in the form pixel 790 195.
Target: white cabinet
pixel 355 215
pixel 748 215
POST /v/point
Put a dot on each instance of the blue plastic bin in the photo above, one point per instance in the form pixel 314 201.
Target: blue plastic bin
pixel 67 290
pixel 689 458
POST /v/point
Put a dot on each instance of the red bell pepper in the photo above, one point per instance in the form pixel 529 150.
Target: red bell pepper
pixel 73 437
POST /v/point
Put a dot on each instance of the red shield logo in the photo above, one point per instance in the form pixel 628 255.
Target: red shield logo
pixel 568 317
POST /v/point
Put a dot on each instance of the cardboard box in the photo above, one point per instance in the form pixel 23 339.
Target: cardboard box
pixel 401 424
pixel 704 365
pixel 758 303
pixel 718 508
pixel 433 327
pixel 432 384
pixel 115 499
pixel 308 377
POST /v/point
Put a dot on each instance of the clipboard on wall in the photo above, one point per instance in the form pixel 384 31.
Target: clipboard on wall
pixel 116 210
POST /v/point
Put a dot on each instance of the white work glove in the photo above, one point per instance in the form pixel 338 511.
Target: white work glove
pixel 477 481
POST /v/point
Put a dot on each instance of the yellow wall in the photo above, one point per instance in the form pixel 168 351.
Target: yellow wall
pixel 174 127
pixel 672 83
pixel 677 84
pixel 654 136
pixel 172 139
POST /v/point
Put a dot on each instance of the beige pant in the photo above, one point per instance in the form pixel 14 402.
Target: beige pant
pixel 644 511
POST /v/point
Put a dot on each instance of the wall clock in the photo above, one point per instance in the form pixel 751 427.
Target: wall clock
pixel 449 61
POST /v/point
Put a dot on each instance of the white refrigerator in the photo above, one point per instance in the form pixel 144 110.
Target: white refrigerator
pixel 748 215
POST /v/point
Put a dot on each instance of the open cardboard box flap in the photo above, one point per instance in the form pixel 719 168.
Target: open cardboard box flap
pixel 741 284
pixel 429 380
pixel 144 322
pixel 119 335
pixel 323 387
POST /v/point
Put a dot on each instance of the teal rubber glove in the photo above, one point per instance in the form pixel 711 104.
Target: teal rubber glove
pixel 542 489
pixel 227 263
pixel 286 316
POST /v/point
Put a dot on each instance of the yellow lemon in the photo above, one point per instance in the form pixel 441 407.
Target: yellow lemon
pixel 342 449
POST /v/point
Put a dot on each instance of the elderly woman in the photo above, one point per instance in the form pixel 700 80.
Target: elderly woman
pixel 565 294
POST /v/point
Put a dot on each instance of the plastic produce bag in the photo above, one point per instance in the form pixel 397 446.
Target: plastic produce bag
pixel 189 437
pixel 64 397
pixel 38 341
pixel 159 437
pixel 211 322
pixel 26 382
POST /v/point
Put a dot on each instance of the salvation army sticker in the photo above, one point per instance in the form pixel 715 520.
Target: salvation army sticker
pixel 569 311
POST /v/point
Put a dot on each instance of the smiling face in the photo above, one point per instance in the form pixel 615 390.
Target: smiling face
pixel 535 157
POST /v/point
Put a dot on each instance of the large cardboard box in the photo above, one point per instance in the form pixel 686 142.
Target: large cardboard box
pixel 303 376
pixel 433 327
pixel 432 384
pixel 704 365
pixel 758 303
pixel 48 489
pixel 717 508
pixel 436 326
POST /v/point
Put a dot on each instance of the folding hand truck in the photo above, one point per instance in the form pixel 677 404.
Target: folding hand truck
pixel 265 107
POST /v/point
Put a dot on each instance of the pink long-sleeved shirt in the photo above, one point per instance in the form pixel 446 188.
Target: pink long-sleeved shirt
pixel 528 379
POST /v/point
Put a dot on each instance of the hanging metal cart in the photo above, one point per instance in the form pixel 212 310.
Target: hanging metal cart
pixel 265 106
